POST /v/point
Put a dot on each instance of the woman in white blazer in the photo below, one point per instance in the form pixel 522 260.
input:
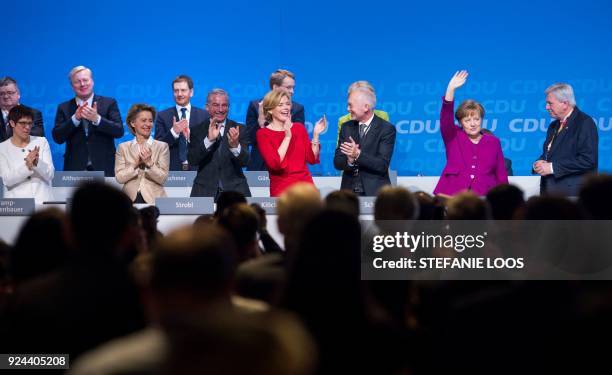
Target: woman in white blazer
pixel 142 164
pixel 26 166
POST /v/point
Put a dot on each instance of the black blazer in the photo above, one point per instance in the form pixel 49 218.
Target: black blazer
pixel 217 162
pixel 573 154
pixel 256 162
pixel 99 145
pixel 37 129
pixel 373 162
pixel 163 124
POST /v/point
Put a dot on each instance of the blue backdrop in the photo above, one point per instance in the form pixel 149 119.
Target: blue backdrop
pixel 408 51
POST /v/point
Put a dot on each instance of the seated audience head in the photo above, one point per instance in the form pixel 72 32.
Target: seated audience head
pixel 505 201
pixel 467 206
pixel 139 120
pixel 395 203
pixel 193 267
pixel 81 80
pixel 428 207
pixel 294 208
pixel 595 197
pixel 241 221
pixel 343 200
pixel 101 218
pixel 551 207
pixel 272 100
pixel 283 80
pixel 227 199
pixel 42 245
pixel 150 216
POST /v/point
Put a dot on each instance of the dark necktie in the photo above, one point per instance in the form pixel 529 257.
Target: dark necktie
pixel 362 130
pixel 182 140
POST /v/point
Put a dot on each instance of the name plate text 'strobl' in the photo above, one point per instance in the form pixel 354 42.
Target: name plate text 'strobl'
pixel 257 178
pixel 185 206
pixel 16 206
pixel 180 179
pixel 76 178
pixel 366 205
pixel 267 203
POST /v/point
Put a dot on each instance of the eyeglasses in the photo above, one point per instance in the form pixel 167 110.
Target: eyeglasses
pixel 8 93
pixel 24 124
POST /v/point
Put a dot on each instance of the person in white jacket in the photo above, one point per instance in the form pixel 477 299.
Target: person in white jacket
pixel 26 166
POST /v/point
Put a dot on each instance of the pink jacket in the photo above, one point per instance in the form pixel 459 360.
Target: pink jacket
pixel 476 167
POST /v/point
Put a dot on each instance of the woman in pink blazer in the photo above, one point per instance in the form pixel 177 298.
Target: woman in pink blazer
pixel 474 161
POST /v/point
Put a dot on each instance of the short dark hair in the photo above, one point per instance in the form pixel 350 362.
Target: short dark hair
pixel 5 81
pixel 183 78
pixel 343 200
pixel 279 76
pixel 20 111
pixel 242 222
pixel 467 107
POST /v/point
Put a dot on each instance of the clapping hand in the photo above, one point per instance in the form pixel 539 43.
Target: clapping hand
pixel 90 113
pixel 261 117
pixel 179 126
pixel 287 127
pixel 145 155
pixel 351 150
pixel 320 126
pixel 31 159
pixel 233 137
pixel 542 167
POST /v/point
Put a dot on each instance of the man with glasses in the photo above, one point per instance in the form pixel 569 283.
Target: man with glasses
pixel 9 98
pixel 218 150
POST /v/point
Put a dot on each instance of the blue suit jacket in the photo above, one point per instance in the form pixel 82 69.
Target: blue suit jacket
pixel 163 124
pixel 37 129
pixel 99 144
pixel 256 162
pixel 573 154
pixel 373 162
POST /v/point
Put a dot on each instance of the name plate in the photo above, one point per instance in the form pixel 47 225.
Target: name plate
pixel 76 178
pixel 257 178
pixel 267 203
pixel 366 205
pixel 1 189
pixel 16 206
pixel 180 179
pixel 185 206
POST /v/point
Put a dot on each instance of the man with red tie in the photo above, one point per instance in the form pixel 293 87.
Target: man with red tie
pixel 570 150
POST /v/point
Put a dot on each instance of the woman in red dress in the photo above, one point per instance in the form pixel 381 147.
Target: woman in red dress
pixel 285 146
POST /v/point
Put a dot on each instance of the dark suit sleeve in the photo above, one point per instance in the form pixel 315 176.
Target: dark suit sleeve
pixel 299 116
pixel 64 127
pixel 197 152
pixel 162 129
pixel 586 157
pixel 378 162
pixel 243 156
pixel 252 125
pixel 340 160
pixel 110 122
pixel 38 129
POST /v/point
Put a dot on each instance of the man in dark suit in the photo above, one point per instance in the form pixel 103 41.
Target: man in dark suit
pixel 9 98
pixel 570 150
pixel 218 149
pixel 255 120
pixel 173 125
pixel 88 124
pixel 365 146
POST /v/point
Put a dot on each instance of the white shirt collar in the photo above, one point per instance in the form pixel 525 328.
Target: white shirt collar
pixel 89 100
pixel 367 123
pixel 568 115
pixel 149 141
pixel 188 106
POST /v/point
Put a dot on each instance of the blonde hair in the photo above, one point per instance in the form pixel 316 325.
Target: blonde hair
pixel 134 111
pixel 272 100
pixel 77 69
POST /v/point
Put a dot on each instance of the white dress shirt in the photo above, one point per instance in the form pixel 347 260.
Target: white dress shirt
pixel 18 180
pixel 80 102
